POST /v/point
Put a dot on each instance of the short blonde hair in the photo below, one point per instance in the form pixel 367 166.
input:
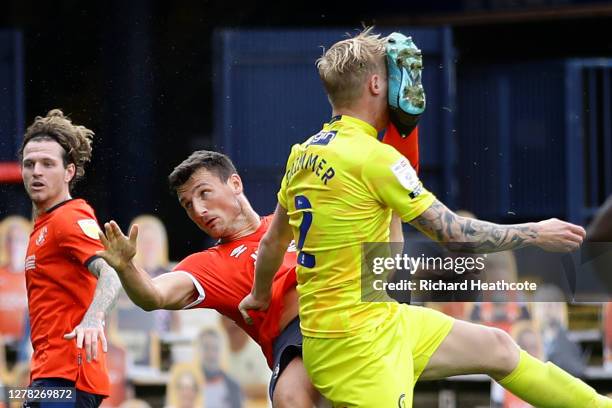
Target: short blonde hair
pixel 347 64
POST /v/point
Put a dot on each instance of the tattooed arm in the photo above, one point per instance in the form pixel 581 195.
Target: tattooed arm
pixel 463 234
pixel 105 296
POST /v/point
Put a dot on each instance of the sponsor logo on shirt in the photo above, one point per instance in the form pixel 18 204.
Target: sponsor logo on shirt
pixel 415 193
pixel 323 138
pixel 239 250
pixel 291 247
pixel 30 262
pixel 89 227
pixel 407 177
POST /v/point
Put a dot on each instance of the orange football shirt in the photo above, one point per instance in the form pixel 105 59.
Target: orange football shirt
pixel 408 146
pixel 60 289
pixel 223 276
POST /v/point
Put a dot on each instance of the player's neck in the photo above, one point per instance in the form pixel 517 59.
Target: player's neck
pixel 358 112
pixel 246 223
pixel 42 207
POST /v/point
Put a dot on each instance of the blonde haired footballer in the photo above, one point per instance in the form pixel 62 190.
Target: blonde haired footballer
pixel 339 190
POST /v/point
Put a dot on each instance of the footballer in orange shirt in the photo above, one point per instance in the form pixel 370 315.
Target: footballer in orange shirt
pixel 70 289
pixel 211 192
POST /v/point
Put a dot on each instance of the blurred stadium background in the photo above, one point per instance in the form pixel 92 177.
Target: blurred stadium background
pixel 518 128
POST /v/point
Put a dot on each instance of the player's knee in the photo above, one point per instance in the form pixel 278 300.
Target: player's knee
pixel 286 397
pixel 505 354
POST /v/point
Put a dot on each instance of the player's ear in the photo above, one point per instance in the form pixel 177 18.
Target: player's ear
pixel 70 172
pixel 375 84
pixel 235 182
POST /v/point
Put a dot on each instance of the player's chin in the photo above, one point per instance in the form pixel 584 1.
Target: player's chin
pixel 213 232
pixel 36 196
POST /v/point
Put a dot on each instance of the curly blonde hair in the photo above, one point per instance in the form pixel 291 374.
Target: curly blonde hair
pixel 76 140
pixel 348 63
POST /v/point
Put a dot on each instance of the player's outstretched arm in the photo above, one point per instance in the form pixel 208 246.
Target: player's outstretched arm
pixel 272 248
pixel 475 236
pixel 168 291
pixel 92 326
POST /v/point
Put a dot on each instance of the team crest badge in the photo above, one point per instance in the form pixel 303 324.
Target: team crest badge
pixel 89 227
pixel 41 237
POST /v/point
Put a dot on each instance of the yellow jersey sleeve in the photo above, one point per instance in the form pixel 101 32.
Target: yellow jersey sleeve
pixel 282 193
pixel 390 178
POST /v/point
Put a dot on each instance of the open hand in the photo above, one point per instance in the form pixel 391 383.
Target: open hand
pixel 119 249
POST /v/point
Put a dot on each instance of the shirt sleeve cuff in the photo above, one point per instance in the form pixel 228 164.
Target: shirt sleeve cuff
pixel 199 289
pixel 90 260
pixel 419 209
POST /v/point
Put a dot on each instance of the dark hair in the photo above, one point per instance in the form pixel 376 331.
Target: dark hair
pixel 74 139
pixel 214 162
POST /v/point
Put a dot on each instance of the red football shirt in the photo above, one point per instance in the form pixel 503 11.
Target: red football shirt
pixel 60 290
pixel 408 146
pixel 223 276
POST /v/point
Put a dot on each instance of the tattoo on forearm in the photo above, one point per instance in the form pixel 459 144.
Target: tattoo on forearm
pixel 107 291
pixel 463 234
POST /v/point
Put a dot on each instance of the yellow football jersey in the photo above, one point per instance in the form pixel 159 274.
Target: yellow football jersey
pixel 339 190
